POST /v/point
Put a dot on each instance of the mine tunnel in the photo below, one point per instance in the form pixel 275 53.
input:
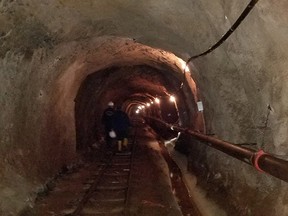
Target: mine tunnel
pixel 203 82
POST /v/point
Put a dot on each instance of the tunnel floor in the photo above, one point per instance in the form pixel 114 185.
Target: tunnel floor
pixel 150 190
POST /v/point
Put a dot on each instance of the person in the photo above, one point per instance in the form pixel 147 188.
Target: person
pixel 107 120
pixel 121 127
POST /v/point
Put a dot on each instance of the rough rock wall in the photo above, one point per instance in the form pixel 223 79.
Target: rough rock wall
pixel 243 87
pixel 35 142
pixel 237 82
pixel 244 75
pixel 37 96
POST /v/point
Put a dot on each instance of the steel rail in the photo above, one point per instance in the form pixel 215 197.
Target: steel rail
pixel 262 161
pixel 128 191
pixel 100 176
pixel 90 191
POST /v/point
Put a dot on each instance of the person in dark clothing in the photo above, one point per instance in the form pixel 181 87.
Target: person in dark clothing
pixel 107 120
pixel 121 126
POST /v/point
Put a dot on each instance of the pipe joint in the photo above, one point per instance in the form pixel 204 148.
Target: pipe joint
pixel 255 159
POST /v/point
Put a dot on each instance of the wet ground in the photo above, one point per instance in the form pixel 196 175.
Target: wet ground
pixel 151 190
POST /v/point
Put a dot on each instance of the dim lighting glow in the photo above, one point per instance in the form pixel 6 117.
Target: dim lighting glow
pixel 157 100
pixel 148 104
pixel 184 66
pixel 172 98
pixel 137 111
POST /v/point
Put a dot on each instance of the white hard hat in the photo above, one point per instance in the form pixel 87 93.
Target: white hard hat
pixel 110 104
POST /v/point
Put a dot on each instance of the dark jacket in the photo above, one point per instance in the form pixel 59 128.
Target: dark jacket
pixel 121 121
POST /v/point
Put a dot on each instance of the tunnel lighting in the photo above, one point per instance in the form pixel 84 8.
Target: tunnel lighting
pixel 172 98
pixel 148 104
pixel 143 106
pixel 184 66
pixel 157 100
pixel 152 102
pixel 139 107
pixel 137 111
pixel 186 69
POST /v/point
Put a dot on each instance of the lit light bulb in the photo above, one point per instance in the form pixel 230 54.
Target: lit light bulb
pixel 172 98
pixel 157 100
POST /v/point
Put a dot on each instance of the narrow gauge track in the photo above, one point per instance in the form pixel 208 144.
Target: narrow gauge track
pixel 109 190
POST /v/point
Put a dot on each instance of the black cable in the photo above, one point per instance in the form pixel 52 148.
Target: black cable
pixel 246 11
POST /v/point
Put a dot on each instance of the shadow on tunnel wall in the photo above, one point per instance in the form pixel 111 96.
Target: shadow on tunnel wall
pixel 85 115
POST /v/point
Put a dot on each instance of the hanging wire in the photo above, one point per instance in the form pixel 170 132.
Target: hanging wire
pixel 243 15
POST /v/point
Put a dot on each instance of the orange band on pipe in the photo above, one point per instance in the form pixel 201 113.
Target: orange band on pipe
pixel 257 156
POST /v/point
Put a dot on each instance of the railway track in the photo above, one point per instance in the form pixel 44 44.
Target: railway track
pixel 114 185
pixel 108 191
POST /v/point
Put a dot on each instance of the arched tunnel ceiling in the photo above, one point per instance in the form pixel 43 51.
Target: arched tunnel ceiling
pixel 119 84
pixel 49 47
pixel 122 84
pixel 100 54
pixel 126 86
pixel 67 40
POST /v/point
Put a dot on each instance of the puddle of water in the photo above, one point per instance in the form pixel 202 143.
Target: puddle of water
pixel 188 207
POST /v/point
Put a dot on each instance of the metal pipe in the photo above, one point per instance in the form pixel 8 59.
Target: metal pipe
pixel 262 161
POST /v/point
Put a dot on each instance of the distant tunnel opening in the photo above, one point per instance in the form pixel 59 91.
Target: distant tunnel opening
pixel 138 89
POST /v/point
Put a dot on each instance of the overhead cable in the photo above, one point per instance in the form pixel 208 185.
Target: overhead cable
pixel 243 15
